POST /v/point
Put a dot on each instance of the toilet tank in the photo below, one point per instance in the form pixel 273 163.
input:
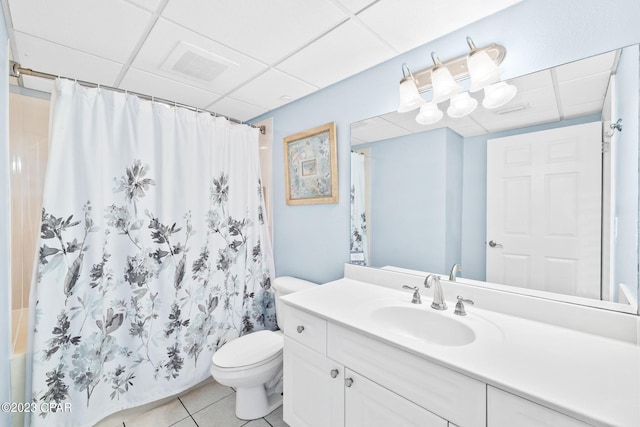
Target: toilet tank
pixel 286 285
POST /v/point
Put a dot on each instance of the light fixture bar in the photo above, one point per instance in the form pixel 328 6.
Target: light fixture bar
pixel 458 66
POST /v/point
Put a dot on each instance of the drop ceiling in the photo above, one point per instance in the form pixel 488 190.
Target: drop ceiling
pixel 569 91
pixel 238 58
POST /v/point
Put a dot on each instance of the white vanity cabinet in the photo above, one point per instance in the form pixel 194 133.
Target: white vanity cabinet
pixel 514 372
pixel 507 410
pixel 313 388
pixel 321 391
pixel 451 396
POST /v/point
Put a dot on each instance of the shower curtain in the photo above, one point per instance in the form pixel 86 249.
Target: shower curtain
pixel 153 253
pixel 359 243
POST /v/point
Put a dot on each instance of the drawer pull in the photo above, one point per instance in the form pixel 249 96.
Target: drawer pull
pixel 348 382
pixel 300 328
pixel 334 373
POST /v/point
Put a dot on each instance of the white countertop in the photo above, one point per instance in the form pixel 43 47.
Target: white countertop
pixel 590 377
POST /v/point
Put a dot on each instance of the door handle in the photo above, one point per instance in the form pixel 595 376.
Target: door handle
pixel 493 244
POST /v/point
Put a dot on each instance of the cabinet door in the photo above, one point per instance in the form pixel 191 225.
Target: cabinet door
pixel 508 410
pixel 368 404
pixel 313 388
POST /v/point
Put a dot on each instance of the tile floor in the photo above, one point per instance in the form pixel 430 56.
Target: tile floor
pixel 209 405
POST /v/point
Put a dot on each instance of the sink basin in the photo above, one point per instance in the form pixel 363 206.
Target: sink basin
pixel 423 324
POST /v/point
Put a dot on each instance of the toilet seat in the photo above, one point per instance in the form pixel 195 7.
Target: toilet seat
pixel 256 348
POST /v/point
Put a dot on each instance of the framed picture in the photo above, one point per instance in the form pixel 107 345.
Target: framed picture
pixel 311 166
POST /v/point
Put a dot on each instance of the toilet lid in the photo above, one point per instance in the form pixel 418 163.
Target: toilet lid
pixel 249 349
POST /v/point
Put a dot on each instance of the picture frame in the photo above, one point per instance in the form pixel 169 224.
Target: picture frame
pixel 311 166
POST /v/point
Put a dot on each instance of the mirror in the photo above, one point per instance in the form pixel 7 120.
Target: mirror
pixel 420 198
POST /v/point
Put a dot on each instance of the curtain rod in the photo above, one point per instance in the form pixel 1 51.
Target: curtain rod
pixel 15 70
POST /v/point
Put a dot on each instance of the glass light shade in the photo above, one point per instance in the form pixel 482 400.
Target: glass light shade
pixel 429 114
pixel 461 105
pixel 410 98
pixel 498 94
pixel 482 69
pixel 444 87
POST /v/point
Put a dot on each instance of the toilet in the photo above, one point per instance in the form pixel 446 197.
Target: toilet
pixel 252 363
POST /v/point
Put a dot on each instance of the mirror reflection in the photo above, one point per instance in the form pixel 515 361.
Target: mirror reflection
pixel 540 195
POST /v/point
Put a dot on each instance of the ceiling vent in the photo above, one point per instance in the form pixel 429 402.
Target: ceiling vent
pixel 513 109
pixel 195 63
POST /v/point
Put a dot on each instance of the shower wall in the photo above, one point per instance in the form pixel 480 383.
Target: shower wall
pixel 28 149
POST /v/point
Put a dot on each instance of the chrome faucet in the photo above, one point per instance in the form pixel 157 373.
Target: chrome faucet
pixel 438 296
pixel 455 269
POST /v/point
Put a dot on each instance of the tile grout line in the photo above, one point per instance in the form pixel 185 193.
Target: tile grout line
pixel 188 412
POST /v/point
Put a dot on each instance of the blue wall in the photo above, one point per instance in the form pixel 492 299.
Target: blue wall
pixel 626 166
pixel 312 241
pixel 5 278
pixel 418 181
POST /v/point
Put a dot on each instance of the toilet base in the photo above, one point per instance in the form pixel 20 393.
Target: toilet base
pixel 253 403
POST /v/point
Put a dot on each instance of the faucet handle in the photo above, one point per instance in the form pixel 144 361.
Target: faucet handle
pixel 416 294
pixel 460 306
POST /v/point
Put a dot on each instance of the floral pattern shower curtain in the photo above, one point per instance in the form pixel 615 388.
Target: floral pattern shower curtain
pixel 153 253
pixel 359 241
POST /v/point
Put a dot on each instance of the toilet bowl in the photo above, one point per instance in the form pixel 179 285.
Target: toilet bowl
pixel 252 363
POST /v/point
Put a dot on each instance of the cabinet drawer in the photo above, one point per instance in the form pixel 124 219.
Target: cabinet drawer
pixel 306 328
pixel 448 394
pixel 508 410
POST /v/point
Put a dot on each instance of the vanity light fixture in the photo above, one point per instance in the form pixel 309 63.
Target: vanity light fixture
pixel 480 65
pixel 429 114
pixel 482 69
pixel 498 94
pixel 410 98
pixel 444 86
pixel 461 105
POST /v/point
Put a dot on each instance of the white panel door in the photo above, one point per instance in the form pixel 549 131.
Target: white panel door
pixel 368 404
pixel 544 210
pixel 313 388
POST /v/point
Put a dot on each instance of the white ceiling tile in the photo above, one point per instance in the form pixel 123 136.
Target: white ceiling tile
pixel 51 58
pixel 109 29
pixel 355 6
pixel 350 46
pixel 265 30
pixel 532 81
pixel 413 126
pixel 356 141
pixel 150 5
pixel 541 107
pixel 377 132
pixel 149 84
pixel 399 118
pixel 468 129
pixel 425 20
pixel 267 90
pixel 166 35
pixel 236 109
pixel 586 67
pixel 588 89
pixel 581 110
